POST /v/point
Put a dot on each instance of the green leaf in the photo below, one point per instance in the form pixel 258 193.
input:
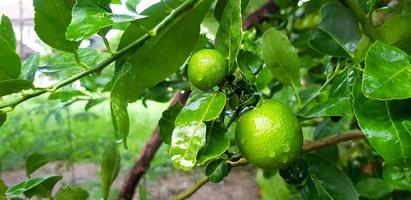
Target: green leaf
pixel 281 57
pixel 339 106
pixel 399 177
pixel 66 95
pixel 189 135
pixel 324 43
pixel 142 192
pixel 110 166
pixel 373 188
pixel 94 102
pixel 89 17
pixel 147 62
pixel 63 60
pixel 3 118
pixel 217 143
pixel 381 122
pixel 10 62
pixel 3 190
pixel 217 170
pixel 167 122
pixel 39 186
pixel 202 106
pixel 341 25
pixel 221 5
pixel 395 28
pixel 30 66
pixel 7 33
pixel 72 193
pixel 186 141
pixel 14 86
pixel 326 181
pixel 34 162
pixel 132 5
pixel 51 21
pixel 250 64
pixel 386 70
pixel 273 188
pixel 229 33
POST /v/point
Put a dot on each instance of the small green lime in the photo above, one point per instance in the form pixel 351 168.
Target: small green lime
pixel 206 69
pixel 269 136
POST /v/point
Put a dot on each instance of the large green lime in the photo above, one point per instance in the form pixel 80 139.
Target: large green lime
pixel 269 136
pixel 206 69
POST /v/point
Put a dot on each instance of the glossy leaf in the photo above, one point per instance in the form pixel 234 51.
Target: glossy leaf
pixel 324 43
pixel 10 62
pixel 167 122
pixel 373 188
pixel 217 143
pixel 186 141
pixel 7 33
pixel 110 166
pixel 30 66
pixel 341 25
pixel 89 17
pixel 34 162
pixel 326 181
pixel 381 122
pixel 386 70
pixel 281 57
pixel 399 177
pixel 39 186
pixel 51 19
pixel 395 28
pixel 14 86
pixel 229 33
pixel 250 64
pixel 72 193
pixel 202 106
pixel 217 170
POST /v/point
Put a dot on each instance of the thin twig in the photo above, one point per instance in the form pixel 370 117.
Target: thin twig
pixel 307 147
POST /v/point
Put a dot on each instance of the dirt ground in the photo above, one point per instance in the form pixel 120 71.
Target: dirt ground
pixel 239 185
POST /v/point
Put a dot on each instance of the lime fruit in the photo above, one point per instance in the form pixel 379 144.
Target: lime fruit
pixel 269 136
pixel 206 69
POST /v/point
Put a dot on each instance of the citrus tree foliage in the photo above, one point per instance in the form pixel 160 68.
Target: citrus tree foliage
pixel 340 66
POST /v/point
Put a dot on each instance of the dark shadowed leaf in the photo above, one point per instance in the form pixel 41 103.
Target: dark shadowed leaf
pixel 250 64
pixel 3 190
pixel 34 162
pixel 217 170
pixel 324 43
pixel 110 166
pixel 373 188
pixel 217 142
pixel 72 193
pixel 7 33
pixel 3 118
pixel 51 21
pixel 39 186
pixel 10 62
pixel 167 122
pixel 14 86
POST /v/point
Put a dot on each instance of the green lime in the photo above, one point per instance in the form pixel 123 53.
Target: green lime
pixel 269 136
pixel 206 69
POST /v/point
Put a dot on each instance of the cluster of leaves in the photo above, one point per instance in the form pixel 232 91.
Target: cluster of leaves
pixel 339 65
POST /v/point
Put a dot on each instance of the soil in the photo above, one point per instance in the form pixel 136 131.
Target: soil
pixel 239 185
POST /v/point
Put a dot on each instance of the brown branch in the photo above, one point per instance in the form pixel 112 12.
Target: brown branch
pixel 146 155
pixel 260 15
pixel 307 147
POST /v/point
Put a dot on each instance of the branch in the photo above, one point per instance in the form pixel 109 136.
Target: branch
pixel 260 15
pixel 147 154
pixel 151 33
pixel 307 147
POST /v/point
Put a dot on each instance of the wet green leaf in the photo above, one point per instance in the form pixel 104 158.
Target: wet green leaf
pixel 381 122
pixel 51 21
pixel 373 188
pixel 30 66
pixel 217 143
pixel 72 193
pixel 399 177
pixel 229 33
pixel 34 162
pixel 39 186
pixel 217 170
pixel 167 122
pixel 7 33
pixel 14 86
pixel 10 62
pixel 89 17
pixel 386 70
pixel 281 57
pixel 326 181
pixel 110 166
